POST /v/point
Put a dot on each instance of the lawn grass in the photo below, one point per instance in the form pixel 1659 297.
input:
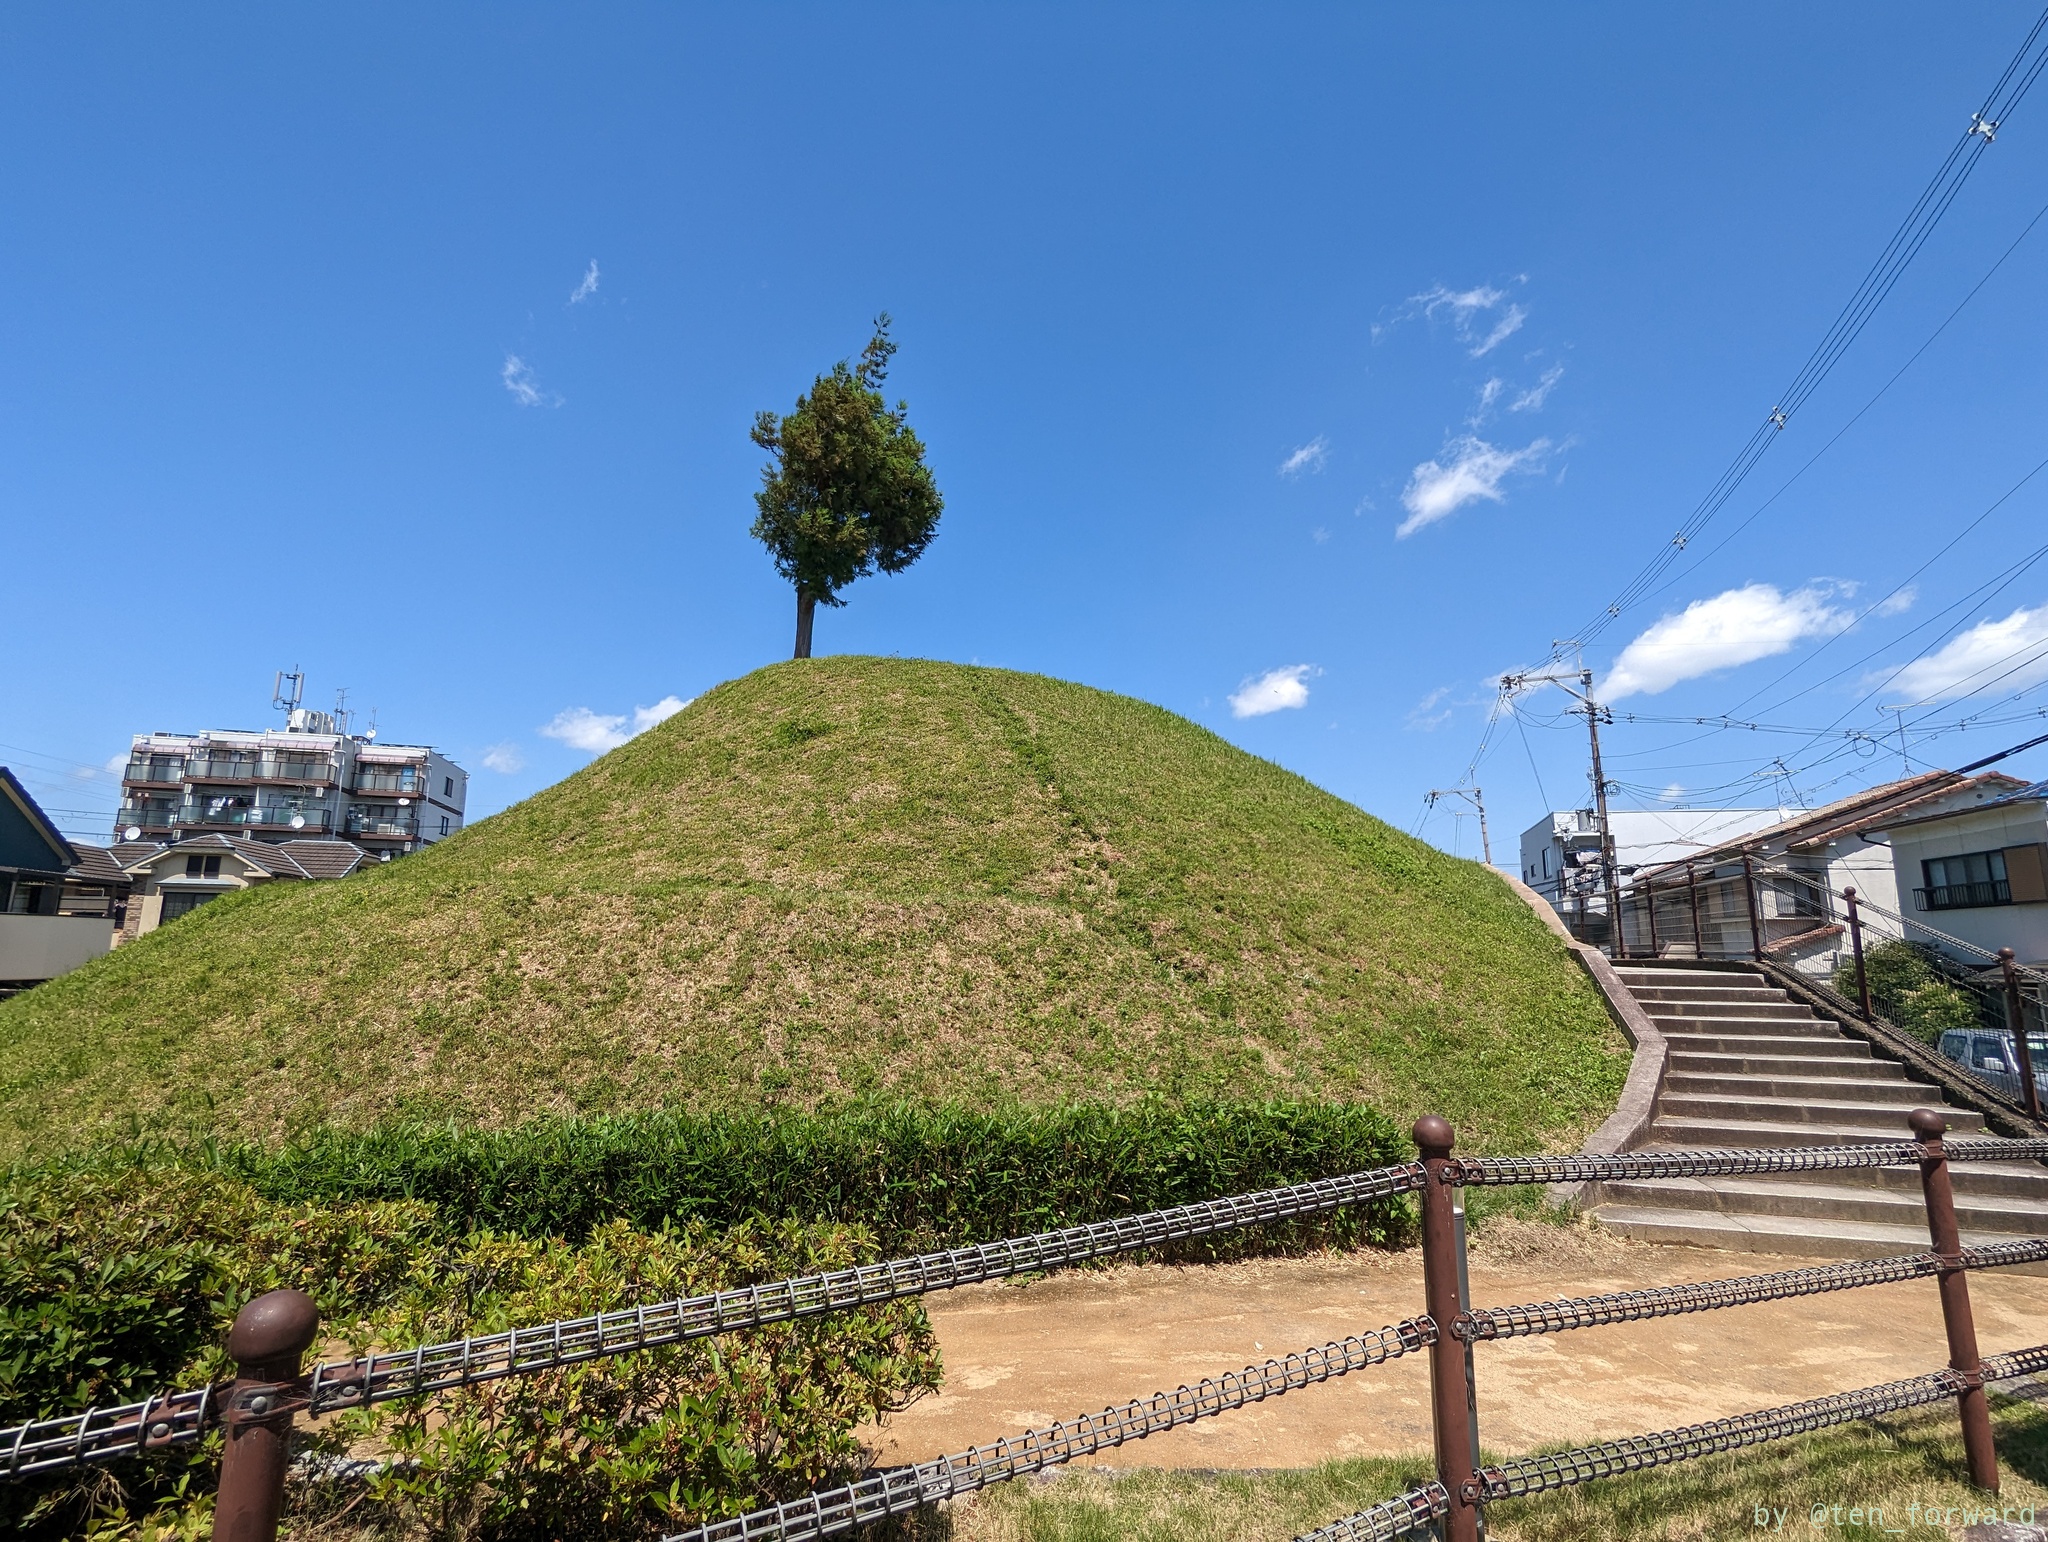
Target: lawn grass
pixel 838 880
pixel 1886 1465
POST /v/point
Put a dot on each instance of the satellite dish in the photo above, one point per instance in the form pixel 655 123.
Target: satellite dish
pixel 371 734
pixel 132 833
pixel 405 803
pixel 298 821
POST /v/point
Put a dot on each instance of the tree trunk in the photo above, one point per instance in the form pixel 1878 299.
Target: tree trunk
pixel 806 607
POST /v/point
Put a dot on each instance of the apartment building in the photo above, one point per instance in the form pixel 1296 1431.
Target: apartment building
pixel 309 780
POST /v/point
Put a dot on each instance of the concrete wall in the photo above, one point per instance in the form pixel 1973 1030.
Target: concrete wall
pixel 43 947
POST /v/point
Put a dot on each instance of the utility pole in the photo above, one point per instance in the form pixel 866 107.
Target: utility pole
pixel 1477 799
pixel 1582 692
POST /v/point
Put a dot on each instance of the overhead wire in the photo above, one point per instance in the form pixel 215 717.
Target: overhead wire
pixel 1884 274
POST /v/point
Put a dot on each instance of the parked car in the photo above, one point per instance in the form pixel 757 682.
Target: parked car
pixel 1991 1057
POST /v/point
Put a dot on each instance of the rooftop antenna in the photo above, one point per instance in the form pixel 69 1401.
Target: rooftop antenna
pixel 341 709
pixel 371 734
pixel 288 703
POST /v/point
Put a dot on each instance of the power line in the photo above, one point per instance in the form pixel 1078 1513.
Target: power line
pixel 1899 252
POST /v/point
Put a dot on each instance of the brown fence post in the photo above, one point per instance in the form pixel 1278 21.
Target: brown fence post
pixel 1449 1390
pixel 1650 907
pixel 270 1336
pixel 1692 892
pixel 2016 1013
pixel 1756 939
pixel 1928 1127
pixel 1856 944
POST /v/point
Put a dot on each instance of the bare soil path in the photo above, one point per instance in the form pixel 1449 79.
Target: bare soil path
pixel 1020 1355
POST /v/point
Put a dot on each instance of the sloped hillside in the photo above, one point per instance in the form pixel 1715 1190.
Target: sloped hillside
pixel 838 879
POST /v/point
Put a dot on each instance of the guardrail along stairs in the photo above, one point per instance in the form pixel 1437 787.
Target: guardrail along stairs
pixel 1750 1066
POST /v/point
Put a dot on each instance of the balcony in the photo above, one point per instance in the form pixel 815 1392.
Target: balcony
pixel 305 770
pixel 389 782
pixel 269 816
pixel 375 824
pixel 220 768
pixel 233 814
pixel 154 771
pixel 147 817
pixel 1963 896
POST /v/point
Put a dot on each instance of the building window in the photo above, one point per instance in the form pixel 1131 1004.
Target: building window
pixel 447 790
pixel 202 867
pixel 1962 883
pixel 444 824
pixel 178 902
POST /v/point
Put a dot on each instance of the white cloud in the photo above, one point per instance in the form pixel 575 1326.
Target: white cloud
pixel 1274 691
pixel 1532 399
pixel 519 380
pixel 1425 715
pixel 1490 392
pixel 2012 654
pixel 645 718
pixel 588 287
pixel 1509 324
pixel 504 758
pixel 116 765
pixel 1898 604
pixel 582 729
pixel 1309 457
pixel 1472 469
pixel 596 732
pixel 1737 626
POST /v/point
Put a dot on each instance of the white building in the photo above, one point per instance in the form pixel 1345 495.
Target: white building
pixel 1979 872
pixel 308 780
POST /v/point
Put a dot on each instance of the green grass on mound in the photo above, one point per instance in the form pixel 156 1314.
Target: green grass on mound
pixel 836 880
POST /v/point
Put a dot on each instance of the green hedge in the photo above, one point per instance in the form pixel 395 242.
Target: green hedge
pixel 912 1177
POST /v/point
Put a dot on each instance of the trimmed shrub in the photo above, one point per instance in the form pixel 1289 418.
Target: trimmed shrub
pixel 120 1279
pixel 914 1177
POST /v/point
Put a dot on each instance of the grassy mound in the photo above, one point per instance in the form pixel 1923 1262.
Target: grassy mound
pixel 838 880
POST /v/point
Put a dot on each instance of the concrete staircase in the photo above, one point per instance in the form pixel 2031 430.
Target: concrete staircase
pixel 1750 1066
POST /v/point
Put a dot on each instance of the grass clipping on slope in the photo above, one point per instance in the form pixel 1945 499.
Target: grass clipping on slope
pixel 847 879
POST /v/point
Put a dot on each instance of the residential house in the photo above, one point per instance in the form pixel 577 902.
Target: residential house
pixel 38 941
pixel 1778 889
pixel 177 878
pixel 1979 871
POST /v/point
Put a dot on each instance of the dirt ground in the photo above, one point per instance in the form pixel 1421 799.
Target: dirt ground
pixel 1022 1355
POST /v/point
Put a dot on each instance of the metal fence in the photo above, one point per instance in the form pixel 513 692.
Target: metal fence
pixel 258 1408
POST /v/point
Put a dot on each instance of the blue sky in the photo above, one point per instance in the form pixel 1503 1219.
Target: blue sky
pixel 420 350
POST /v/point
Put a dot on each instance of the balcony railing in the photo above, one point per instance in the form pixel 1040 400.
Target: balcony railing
pixel 392 826
pixel 1963 896
pixel 152 816
pixel 404 783
pixel 266 816
pixel 294 769
pixel 156 771
pixel 222 768
pixel 200 814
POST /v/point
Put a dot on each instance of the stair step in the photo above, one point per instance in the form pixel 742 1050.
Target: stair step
pixel 1707 993
pixel 1745 1134
pixel 1792 1011
pixel 1779 1110
pixel 1768 1044
pixel 1790 1195
pixel 1825 1089
pixel 1800 1235
pixel 1633 975
pixel 1844 1067
pixel 1781 1027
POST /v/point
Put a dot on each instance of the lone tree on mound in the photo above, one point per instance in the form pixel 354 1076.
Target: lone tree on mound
pixel 847 490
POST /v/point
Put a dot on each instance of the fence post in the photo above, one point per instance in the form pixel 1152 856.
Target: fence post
pixel 1650 904
pixel 1450 1390
pixel 1756 939
pixel 2016 1014
pixel 1928 1127
pixel 270 1336
pixel 1692 891
pixel 1856 944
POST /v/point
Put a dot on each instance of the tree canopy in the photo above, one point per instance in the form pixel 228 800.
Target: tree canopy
pixel 846 490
